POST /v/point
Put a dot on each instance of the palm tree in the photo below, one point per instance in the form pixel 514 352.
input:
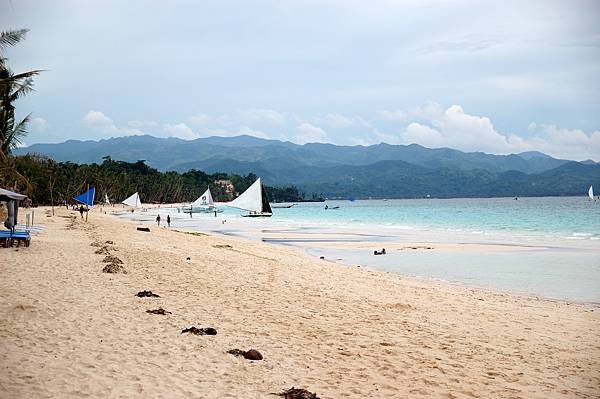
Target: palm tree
pixel 12 87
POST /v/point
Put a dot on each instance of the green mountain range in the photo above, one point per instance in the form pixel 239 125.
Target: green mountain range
pixel 378 171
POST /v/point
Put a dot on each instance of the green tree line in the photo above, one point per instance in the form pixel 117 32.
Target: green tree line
pixel 46 181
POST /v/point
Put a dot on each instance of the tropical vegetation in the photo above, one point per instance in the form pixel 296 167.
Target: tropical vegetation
pixel 58 182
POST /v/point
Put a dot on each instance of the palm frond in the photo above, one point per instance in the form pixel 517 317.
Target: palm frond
pixel 12 138
pixel 12 37
pixel 22 88
pixel 18 79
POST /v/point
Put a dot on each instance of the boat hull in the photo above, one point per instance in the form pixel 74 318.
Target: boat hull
pixel 257 215
pixel 199 210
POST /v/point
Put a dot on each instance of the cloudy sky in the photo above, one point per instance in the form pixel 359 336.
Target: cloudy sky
pixel 498 77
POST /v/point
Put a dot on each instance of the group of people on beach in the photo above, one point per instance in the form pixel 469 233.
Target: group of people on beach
pixel 168 220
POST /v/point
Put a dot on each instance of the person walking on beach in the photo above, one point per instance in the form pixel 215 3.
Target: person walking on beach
pixel 168 220
pixel 158 220
pixel 81 210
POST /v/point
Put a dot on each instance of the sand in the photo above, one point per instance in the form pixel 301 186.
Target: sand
pixel 69 330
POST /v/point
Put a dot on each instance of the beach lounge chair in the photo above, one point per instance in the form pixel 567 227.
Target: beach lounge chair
pixel 8 238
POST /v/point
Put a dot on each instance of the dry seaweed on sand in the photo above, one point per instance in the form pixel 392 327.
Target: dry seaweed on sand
pixel 112 259
pixel 102 251
pixel 114 268
pixel 297 393
pixel 222 246
pixel 160 311
pixel 146 229
pixel 200 331
pixel 147 294
pixel 252 354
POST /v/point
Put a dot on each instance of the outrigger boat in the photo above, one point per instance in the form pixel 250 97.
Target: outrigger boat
pixel 204 204
pixel 254 200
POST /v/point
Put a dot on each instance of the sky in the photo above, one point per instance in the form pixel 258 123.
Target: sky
pixel 498 77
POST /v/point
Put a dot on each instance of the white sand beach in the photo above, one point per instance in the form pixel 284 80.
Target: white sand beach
pixel 69 330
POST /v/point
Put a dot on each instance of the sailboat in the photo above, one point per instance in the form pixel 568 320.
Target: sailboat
pixel 204 204
pixel 254 200
pixel 591 193
pixel 133 201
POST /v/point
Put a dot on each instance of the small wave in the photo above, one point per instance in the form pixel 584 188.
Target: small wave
pixel 399 227
pixel 574 238
pixel 582 234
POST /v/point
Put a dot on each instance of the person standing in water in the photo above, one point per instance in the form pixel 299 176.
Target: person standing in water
pixel 158 220
pixel 168 220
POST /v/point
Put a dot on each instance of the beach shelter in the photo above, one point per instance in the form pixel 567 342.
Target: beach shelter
pixel 133 201
pixel 87 198
pixel 12 201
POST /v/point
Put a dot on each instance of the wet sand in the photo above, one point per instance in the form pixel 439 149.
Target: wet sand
pixel 70 330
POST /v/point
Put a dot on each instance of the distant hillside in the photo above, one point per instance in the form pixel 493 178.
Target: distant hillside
pixel 380 170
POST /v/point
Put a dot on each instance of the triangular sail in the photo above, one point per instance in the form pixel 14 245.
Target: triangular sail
pixel 266 207
pixel 133 201
pixel 87 198
pixel 591 192
pixel 205 199
pixel 251 199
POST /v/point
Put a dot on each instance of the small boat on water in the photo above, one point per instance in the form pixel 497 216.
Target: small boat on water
pixel 254 200
pixel 204 204
pixel 281 206
pixel 591 193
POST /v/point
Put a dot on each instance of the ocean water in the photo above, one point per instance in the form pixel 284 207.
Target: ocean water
pixel 554 243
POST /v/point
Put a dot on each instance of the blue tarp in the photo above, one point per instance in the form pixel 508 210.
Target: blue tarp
pixel 86 198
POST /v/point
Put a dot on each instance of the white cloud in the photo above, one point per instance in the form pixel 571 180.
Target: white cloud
pixel 39 124
pixel 567 143
pixel 180 130
pixel 261 116
pixel 308 133
pixel 101 123
pixel 454 128
pixel 97 118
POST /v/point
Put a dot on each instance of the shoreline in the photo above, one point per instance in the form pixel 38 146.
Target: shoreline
pixel 70 330
pixel 353 247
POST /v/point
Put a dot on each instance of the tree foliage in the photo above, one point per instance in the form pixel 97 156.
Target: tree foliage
pixel 12 87
pixel 119 179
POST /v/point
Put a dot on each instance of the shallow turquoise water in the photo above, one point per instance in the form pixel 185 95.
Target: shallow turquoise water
pixel 554 242
pixel 566 217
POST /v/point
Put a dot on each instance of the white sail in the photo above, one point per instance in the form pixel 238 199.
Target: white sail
pixel 133 201
pixel 205 199
pixel 251 199
pixel 106 201
pixel 591 193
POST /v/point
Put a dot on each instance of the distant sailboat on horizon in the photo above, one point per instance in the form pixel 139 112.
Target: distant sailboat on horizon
pixel 591 192
pixel 254 200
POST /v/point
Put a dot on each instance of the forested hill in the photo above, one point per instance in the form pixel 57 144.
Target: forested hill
pixel 378 171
